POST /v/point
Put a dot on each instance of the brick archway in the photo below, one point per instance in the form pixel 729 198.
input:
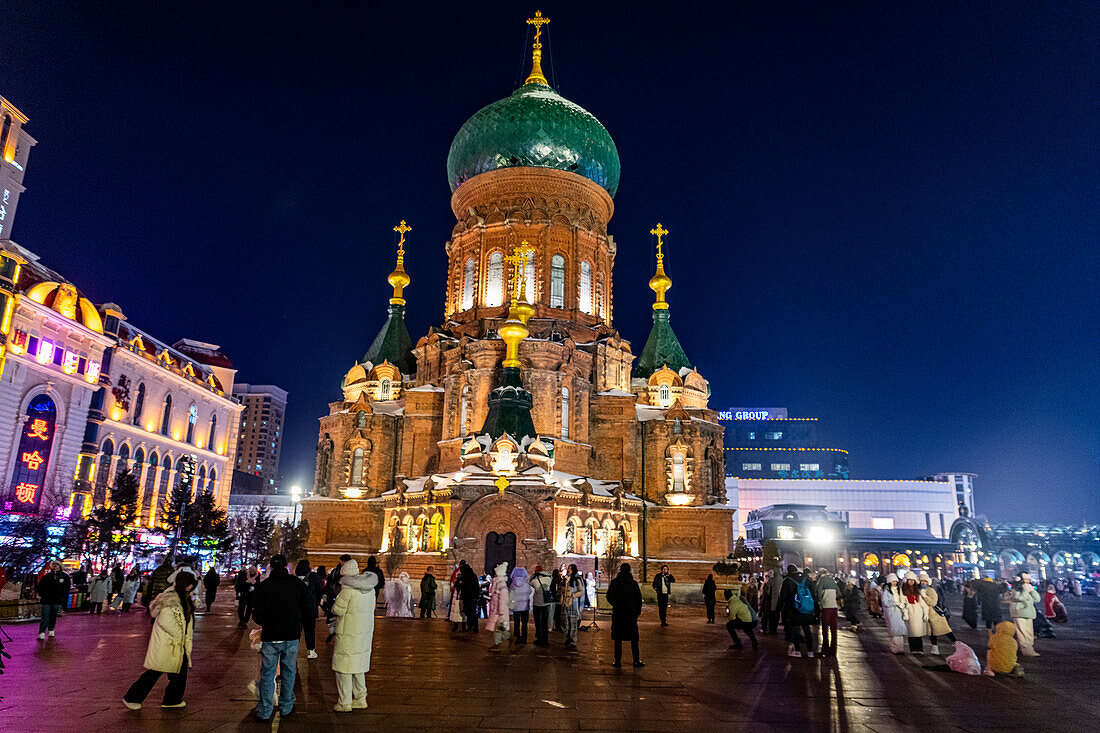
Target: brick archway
pixel 502 513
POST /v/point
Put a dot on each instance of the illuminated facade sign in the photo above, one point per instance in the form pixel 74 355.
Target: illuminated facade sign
pixel 753 413
pixel 33 457
pixel 46 352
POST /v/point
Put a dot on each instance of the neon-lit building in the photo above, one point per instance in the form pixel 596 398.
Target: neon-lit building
pixel 764 442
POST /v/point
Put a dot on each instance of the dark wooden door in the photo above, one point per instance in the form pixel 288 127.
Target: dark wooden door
pixel 500 548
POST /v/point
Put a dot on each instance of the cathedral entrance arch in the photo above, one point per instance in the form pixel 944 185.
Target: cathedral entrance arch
pixel 500 548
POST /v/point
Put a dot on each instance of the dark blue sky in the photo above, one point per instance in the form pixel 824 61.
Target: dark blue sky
pixel 885 215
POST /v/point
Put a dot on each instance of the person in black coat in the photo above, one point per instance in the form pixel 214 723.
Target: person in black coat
pixel 313 584
pixel 210 582
pixel 662 583
pixel 710 590
pixel 53 591
pixel 279 604
pixel 469 590
pixel 625 598
pixel 796 624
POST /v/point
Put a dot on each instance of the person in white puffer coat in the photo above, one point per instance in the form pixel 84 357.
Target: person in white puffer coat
pixel 169 649
pixel 892 614
pixel 915 611
pixel 354 611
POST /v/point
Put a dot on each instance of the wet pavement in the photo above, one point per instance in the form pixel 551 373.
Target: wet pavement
pixel 424 677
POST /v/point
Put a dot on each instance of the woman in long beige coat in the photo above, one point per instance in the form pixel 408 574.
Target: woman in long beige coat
pixel 937 623
pixel 354 610
pixel 169 650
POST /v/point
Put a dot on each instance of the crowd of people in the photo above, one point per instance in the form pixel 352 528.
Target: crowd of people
pixel 286 608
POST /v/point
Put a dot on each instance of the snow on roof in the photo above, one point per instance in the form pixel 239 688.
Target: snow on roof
pixel 388 408
pixel 615 392
pixel 425 388
pixel 649 412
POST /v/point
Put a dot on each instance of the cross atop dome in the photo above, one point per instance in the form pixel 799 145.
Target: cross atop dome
pixel 399 279
pixel 536 76
pixel 660 282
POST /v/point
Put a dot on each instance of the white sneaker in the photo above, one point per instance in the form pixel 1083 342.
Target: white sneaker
pixel 42 636
pixel 341 708
pixel 793 653
pixel 52 634
pixel 312 654
pixel 132 705
pixel 936 649
pixel 810 655
pixel 359 704
pixel 253 689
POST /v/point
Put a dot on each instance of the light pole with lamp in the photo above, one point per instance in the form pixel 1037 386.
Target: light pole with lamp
pixel 296 500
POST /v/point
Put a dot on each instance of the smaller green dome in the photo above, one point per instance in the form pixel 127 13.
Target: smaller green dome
pixel 534 127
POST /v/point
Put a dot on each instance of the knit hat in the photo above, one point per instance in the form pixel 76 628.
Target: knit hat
pixel 910 575
pixel 924 577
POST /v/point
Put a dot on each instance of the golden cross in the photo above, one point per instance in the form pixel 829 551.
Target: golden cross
pixel 401 229
pixel 519 259
pixel 660 231
pixel 538 21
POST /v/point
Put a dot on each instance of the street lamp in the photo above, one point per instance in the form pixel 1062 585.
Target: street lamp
pixel 295 499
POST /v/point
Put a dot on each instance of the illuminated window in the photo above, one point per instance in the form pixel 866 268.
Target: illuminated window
pixel 385 390
pixel 529 280
pixel 166 416
pixel 589 546
pixel 777 435
pixel 464 401
pixel 4 132
pixel 570 536
pixel 882 522
pixel 664 395
pixel 139 403
pixel 494 280
pixel 565 413
pixel 785 533
pixel 781 467
pixel 809 466
pixel 586 288
pixel 468 284
pixel 192 417
pixel 750 467
pixel 357 467
pixel 599 296
pixel 557 281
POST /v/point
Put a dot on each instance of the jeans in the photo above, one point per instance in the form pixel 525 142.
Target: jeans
pixel 572 623
pixel 519 625
pixel 281 655
pixel 828 629
pixel 542 624
pixel 173 693
pixel 50 612
pixel 746 626
pixel 662 608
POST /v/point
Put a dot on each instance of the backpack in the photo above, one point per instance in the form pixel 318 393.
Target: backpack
pixel 803 599
pixel 547 593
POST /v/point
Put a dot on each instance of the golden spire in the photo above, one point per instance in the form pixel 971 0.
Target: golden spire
pixel 536 75
pixel 660 282
pixel 399 279
pixel 514 329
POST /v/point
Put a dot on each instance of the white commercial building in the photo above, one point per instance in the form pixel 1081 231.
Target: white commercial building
pixel 863 503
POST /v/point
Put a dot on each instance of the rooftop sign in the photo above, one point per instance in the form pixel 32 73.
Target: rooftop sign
pixel 753 413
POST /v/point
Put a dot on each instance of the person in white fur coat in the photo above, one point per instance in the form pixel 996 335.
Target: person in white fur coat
pixel 354 611
pixel 915 611
pixel 498 619
pixel 399 597
pixel 893 615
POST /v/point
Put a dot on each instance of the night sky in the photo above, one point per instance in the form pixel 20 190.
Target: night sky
pixel 883 215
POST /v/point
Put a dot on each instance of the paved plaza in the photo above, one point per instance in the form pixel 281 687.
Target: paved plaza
pixel 423 677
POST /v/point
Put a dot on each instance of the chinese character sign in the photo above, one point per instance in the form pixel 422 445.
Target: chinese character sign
pixel 32 460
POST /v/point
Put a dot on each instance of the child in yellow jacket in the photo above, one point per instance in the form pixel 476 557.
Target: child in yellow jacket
pixel 1001 657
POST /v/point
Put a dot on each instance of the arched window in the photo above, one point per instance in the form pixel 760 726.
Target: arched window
pixel 468 284
pixel 586 287
pixel 557 281
pixel 620 539
pixel 678 472
pixel 166 416
pixel 139 403
pixel 211 438
pixel 664 395
pixel 357 467
pixel 200 482
pixel 565 413
pixel 212 482
pixel 440 532
pixel 192 417
pixel 529 280
pixel 139 464
pixel 462 408
pixel 32 458
pixel 494 280
pixel 385 390
pixel 150 489
pixel 103 473
pixel 570 536
pixel 123 458
pixel 599 295
pixel 589 542
pixel 165 483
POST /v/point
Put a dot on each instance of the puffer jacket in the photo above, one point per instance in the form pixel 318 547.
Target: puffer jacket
pixel 171 636
pixel 1023 601
pixel 354 610
pixel 100 590
pixel 498 602
pixel 937 624
pixel 521 590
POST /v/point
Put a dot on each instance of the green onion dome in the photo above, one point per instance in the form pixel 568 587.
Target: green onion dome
pixel 534 127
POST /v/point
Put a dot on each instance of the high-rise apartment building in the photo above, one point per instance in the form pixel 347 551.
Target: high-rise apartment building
pixel 261 435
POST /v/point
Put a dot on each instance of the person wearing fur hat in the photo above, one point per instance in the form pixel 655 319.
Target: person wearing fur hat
pixel 915 612
pixel 892 613
pixel 354 611
pixel 1001 657
pixel 497 619
pixel 1023 598
pixel 937 613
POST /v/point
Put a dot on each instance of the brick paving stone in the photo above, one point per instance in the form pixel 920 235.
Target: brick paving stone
pixel 426 678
